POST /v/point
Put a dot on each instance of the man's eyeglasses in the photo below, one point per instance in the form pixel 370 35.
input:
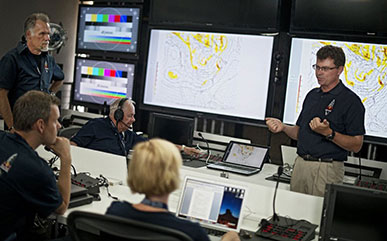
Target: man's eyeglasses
pixel 324 68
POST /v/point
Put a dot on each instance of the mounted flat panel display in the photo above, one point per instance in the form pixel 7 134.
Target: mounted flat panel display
pixel 108 29
pixel 98 81
pixel 216 73
pixel 365 73
pixel 366 17
pixel 248 14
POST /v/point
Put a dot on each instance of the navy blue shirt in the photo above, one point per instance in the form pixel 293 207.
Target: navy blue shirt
pixel 165 219
pixel 27 186
pixel 20 72
pixel 345 113
pixel 100 134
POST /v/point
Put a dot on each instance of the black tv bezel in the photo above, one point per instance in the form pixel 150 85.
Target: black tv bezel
pixel 330 196
pixel 216 25
pixel 96 106
pixel 109 53
pixel 209 115
pixel 190 120
pixel 337 29
pixel 336 37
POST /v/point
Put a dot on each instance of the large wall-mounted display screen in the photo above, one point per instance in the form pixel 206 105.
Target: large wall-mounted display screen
pixel 108 29
pixel 217 73
pixel 365 17
pixel 97 82
pixel 365 73
pixel 248 14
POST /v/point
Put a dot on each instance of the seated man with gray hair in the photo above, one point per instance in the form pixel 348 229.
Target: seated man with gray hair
pixel 112 134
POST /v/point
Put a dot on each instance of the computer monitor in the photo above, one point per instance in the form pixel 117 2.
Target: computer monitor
pixel 342 17
pixel 258 15
pixel 353 213
pixel 97 82
pixel 216 73
pixel 364 73
pixel 104 30
pixel 176 129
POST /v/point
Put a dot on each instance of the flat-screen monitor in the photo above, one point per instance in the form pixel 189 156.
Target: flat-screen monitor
pixel 108 30
pixel 332 16
pixel 176 129
pixel 353 213
pixel 365 73
pixel 216 73
pixel 248 14
pixel 97 82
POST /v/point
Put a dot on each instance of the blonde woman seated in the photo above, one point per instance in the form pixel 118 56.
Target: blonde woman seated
pixel 154 171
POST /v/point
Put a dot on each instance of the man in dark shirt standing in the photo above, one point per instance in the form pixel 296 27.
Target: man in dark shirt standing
pixel 28 66
pixel 27 184
pixel 330 124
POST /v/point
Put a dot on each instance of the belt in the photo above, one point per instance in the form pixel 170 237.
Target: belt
pixel 315 159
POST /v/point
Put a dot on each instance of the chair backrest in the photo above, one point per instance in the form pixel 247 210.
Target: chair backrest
pixel 69 132
pixel 85 226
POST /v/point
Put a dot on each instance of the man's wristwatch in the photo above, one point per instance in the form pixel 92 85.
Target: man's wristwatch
pixel 331 136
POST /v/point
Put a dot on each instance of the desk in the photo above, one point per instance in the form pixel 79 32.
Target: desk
pixel 258 204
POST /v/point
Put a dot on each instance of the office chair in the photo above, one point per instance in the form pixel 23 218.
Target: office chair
pixel 69 132
pixel 85 226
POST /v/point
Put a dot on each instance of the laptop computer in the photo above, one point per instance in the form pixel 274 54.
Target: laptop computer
pixel 215 205
pixel 242 158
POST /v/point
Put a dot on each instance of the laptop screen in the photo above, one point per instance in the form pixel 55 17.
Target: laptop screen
pixel 214 205
pixel 246 154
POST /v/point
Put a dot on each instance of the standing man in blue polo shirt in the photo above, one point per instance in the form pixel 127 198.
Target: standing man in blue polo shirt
pixel 28 66
pixel 330 124
pixel 28 186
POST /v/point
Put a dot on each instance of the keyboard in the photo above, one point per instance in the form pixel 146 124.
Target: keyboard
pixel 199 160
pixel 287 229
pixel 372 183
pixel 213 232
pixel 226 166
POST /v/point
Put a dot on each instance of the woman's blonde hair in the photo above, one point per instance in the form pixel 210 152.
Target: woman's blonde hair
pixel 154 168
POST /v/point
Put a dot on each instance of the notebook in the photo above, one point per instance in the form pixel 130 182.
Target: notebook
pixel 242 158
pixel 215 205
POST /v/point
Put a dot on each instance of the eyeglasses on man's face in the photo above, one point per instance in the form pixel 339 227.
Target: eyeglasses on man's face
pixel 323 68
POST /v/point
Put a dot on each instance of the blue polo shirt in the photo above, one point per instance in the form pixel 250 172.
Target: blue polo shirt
pixel 345 113
pixel 100 134
pixel 20 72
pixel 27 186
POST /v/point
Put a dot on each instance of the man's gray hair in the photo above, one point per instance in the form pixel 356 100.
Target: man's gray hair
pixel 30 21
pixel 114 105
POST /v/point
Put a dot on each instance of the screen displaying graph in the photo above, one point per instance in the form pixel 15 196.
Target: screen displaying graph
pixel 216 73
pixel 108 29
pixel 98 81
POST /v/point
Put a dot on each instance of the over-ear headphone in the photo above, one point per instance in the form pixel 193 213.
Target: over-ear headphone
pixel 119 113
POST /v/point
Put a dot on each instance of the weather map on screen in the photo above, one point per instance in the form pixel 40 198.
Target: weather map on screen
pixel 365 73
pixel 108 29
pixel 216 73
pixel 99 81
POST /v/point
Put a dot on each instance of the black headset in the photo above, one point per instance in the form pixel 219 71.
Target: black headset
pixel 119 113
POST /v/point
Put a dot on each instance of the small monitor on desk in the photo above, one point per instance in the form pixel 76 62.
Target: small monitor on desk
pixel 176 129
pixel 353 213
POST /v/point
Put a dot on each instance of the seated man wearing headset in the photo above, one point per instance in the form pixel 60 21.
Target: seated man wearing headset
pixel 112 134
